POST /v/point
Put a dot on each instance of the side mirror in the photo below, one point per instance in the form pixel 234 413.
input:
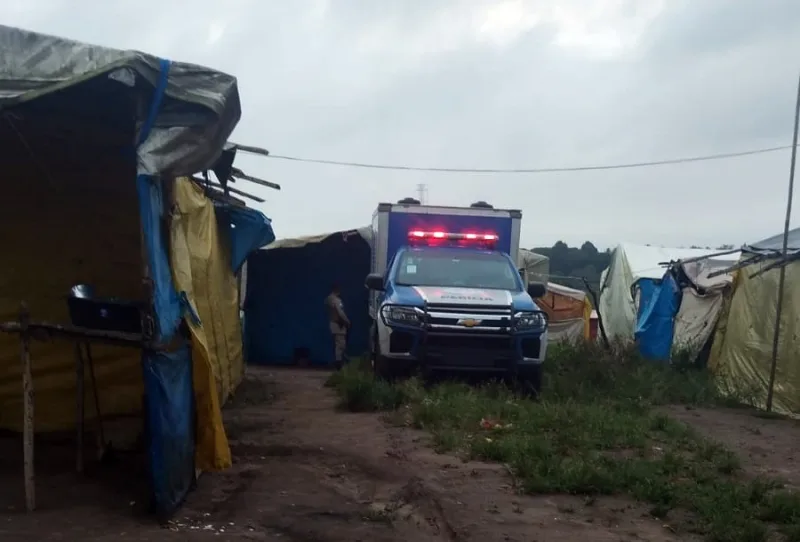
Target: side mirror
pixel 374 282
pixel 536 290
pixel 521 272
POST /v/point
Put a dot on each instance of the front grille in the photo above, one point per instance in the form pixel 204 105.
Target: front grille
pixel 473 341
pixel 478 309
pixel 460 317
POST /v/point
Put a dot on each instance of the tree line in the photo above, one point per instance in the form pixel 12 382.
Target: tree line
pixel 571 265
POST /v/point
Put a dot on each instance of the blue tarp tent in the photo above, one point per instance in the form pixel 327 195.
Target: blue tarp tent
pixel 105 111
pixel 247 230
pixel 663 297
pixel 287 282
pixel 658 305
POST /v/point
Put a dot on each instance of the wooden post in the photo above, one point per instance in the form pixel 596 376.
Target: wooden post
pixel 80 414
pixel 27 391
pixel 596 302
pixel 782 276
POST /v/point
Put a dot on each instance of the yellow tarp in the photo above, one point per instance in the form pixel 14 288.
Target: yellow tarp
pixel 200 260
pixel 87 231
pixel 742 349
pixel 71 228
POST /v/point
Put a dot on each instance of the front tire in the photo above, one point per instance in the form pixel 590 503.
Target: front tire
pixel 529 381
pixel 382 369
pixel 373 350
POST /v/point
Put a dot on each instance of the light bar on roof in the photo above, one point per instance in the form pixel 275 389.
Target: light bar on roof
pixel 463 238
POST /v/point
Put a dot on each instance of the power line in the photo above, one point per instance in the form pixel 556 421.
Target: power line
pixel 705 158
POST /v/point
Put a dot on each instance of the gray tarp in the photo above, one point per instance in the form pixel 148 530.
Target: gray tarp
pixel 200 108
pixel 296 242
pixel 776 242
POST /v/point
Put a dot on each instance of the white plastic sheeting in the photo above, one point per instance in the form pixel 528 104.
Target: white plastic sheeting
pixel 701 304
pixel 535 267
pixel 631 263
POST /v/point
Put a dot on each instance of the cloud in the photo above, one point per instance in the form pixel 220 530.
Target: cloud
pixel 505 84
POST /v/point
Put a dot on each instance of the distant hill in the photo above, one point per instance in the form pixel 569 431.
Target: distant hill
pixel 569 265
pixel 567 262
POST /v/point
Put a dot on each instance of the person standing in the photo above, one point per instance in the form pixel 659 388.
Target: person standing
pixel 339 324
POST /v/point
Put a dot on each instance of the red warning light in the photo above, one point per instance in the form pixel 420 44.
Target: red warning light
pixel 435 237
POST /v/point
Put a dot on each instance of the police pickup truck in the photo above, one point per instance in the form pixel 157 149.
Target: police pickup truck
pixel 447 294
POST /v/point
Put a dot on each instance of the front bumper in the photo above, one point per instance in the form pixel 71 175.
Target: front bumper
pixel 465 351
pixel 460 337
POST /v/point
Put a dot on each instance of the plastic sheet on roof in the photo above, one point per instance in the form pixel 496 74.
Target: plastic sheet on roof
pixel 776 241
pixel 297 242
pixel 199 110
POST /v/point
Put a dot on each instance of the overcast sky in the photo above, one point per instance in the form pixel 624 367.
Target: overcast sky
pixel 492 84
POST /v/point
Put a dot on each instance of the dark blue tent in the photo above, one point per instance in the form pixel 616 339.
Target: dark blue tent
pixel 287 283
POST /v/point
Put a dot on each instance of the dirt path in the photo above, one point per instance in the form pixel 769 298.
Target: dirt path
pixel 304 471
pixel 307 472
pixel 767 446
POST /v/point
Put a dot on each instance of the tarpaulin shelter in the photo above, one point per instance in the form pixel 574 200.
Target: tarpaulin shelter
pixel 288 280
pixel 569 313
pixel 662 297
pixel 535 267
pixel 287 283
pixel 681 311
pixel 92 140
pixel 741 355
pixel 568 309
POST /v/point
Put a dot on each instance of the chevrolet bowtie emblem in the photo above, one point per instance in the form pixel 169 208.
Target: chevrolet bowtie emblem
pixel 469 322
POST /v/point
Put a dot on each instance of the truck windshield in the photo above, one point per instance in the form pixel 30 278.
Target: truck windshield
pixel 456 268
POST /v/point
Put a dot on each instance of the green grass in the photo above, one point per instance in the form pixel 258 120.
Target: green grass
pixel 594 432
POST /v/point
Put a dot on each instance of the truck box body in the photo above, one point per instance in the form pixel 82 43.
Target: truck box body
pixel 447 293
pixel 391 223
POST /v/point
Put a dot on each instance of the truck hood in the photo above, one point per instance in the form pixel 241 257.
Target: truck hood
pixel 463 296
pixel 418 295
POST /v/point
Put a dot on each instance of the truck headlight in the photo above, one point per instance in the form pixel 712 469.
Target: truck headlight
pixel 408 316
pixel 530 320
